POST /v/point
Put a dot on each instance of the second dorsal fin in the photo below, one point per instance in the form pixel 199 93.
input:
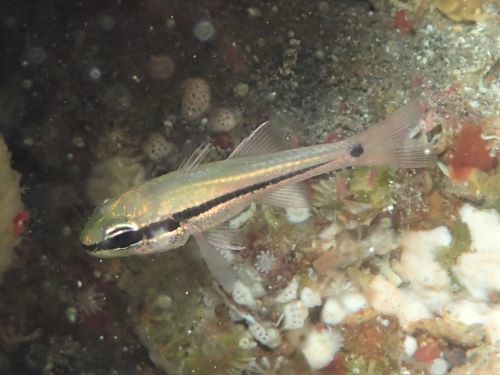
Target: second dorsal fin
pixel 261 141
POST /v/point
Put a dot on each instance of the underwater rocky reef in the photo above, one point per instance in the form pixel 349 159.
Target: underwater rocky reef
pixel 390 271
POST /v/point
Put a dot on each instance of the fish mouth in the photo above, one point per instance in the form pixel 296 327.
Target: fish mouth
pixel 92 248
pixel 98 251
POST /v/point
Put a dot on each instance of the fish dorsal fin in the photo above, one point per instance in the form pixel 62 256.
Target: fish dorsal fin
pixel 291 196
pixel 260 142
pixel 196 158
pixel 264 140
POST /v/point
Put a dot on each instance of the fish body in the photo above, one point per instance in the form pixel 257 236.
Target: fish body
pixel 164 212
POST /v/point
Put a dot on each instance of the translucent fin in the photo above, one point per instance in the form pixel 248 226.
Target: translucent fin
pixel 296 196
pixel 396 142
pixel 196 158
pixel 220 268
pixel 260 142
pixel 225 239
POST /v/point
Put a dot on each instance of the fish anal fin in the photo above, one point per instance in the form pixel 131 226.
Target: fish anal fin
pixel 220 267
pixel 224 238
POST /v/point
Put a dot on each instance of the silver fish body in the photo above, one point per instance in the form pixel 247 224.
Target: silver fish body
pixel 163 213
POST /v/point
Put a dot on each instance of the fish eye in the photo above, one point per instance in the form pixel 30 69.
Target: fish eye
pixel 122 237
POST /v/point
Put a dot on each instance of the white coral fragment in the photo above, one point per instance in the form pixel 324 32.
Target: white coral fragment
pixel 429 282
pixel 472 312
pixel 479 271
pixel 386 298
pixel 484 227
pixel 320 347
pixel 418 264
pixel 310 297
pixel 336 309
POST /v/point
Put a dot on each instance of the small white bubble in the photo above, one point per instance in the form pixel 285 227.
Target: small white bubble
pixel 71 314
pixel 78 141
pixel 170 23
pixel 27 84
pixel 204 31
pixel 106 22
pixel 66 231
pixel 95 74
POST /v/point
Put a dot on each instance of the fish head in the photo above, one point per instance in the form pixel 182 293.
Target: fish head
pixel 130 226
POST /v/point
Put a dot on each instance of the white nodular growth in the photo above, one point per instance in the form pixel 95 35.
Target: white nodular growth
pixel 295 314
pixel 265 334
pixel 289 293
pixel 242 295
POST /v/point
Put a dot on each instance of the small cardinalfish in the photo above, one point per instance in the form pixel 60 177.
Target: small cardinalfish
pixel 199 198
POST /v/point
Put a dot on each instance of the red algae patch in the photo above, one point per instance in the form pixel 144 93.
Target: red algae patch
pixel 402 23
pixel 471 151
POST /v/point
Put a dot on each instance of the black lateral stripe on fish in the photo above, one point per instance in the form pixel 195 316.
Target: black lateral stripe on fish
pixel 207 206
pixel 173 223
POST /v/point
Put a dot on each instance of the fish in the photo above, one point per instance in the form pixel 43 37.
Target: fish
pixel 198 199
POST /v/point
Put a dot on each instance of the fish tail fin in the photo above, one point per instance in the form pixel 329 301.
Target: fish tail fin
pixel 398 141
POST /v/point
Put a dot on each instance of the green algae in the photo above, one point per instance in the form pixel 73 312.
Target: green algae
pixel 488 186
pixel 361 193
pixel 181 319
pixel 460 244
pixel 372 185
pixel 358 365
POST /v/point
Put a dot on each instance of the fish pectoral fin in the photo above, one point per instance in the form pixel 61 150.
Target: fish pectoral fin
pixel 196 158
pixel 224 238
pixel 261 141
pixel 220 267
pixel 291 196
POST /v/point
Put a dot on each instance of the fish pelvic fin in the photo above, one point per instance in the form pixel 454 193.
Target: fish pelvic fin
pixel 398 141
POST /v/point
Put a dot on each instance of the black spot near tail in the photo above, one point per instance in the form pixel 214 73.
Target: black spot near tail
pixel 357 150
